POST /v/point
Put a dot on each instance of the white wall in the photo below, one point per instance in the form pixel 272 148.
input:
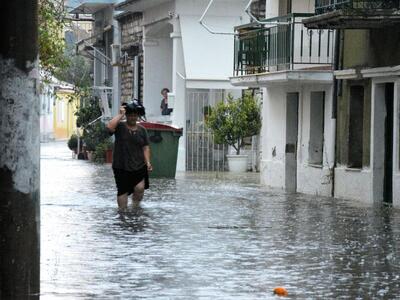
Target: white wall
pixel 157 72
pixel 272 167
pixel 271 8
pixel 310 179
pixel 207 55
pixel 314 179
pixel 177 48
pixel 303 6
pixel 353 184
pixel 298 6
pixel 46 114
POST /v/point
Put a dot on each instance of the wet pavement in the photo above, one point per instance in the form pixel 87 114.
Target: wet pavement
pixel 207 236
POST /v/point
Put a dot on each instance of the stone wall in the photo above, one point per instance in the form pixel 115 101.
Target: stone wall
pixel 131 46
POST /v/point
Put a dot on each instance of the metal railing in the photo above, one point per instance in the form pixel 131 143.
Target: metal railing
pixel 324 6
pixel 283 46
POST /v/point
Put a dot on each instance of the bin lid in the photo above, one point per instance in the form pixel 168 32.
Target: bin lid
pixel 161 127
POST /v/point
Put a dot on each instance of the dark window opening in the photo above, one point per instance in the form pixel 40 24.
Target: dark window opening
pixel 356 127
pixel 317 123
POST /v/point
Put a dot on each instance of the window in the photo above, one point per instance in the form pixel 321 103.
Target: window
pixel 317 123
pixel 356 127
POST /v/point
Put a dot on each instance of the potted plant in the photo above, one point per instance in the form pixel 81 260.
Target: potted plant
pixel 73 143
pixel 231 122
pixel 98 142
pixel 109 150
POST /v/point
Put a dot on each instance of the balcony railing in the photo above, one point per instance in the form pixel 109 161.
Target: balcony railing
pixel 285 45
pixel 324 6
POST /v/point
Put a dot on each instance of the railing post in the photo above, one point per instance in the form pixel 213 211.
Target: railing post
pixel 292 41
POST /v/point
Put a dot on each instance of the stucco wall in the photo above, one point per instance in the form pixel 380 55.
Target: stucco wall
pixel 157 72
pixel 64 127
pixel 310 179
pixel 396 189
pixel 353 184
pixel 371 48
pixel 131 36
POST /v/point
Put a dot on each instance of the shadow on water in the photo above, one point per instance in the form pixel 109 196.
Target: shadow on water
pixel 135 219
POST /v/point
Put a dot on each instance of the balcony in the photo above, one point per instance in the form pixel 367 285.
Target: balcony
pixel 285 44
pixel 354 14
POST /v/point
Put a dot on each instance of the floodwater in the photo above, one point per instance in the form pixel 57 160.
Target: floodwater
pixel 207 236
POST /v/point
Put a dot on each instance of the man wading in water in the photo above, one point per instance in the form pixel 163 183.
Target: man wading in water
pixel 131 156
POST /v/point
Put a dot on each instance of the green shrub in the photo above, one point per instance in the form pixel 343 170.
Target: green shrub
pixel 234 120
pixel 97 139
pixel 99 154
pixel 73 142
pixel 94 135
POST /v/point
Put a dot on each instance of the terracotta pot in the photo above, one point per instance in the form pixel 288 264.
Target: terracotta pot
pixel 109 156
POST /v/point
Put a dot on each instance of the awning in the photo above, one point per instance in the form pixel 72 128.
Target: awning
pixel 91 7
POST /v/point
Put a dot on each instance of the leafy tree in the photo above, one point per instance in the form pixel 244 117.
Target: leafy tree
pixel 89 109
pixel 235 120
pixel 52 20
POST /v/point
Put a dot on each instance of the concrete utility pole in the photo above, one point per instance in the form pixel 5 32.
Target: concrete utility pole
pixel 19 151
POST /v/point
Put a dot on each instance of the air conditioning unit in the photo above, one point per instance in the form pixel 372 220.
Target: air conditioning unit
pixel 115 55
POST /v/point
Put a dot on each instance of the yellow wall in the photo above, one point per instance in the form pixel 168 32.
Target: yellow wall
pixel 64 114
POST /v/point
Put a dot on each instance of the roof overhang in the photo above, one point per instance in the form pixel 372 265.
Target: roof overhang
pixel 91 7
pixel 347 74
pixel 138 5
pixel 209 83
pixel 381 72
pixel 353 19
pixel 283 78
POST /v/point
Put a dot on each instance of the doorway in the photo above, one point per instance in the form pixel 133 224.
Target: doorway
pixel 292 117
pixel 388 164
pixel 382 133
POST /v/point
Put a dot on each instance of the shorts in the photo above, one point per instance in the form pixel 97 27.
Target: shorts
pixel 127 180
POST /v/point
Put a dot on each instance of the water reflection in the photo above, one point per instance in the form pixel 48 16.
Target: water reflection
pixel 208 237
pixel 134 219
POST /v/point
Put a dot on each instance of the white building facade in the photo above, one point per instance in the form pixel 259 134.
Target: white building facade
pixel 181 55
pixel 47 100
pixel 292 66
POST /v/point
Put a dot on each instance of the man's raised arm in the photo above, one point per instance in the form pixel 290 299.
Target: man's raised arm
pixel 112 125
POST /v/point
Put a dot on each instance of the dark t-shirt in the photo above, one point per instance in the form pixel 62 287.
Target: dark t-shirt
pixel 128 147
pixel 164 108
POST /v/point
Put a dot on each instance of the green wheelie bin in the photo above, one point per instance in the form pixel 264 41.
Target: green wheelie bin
pixel 164 142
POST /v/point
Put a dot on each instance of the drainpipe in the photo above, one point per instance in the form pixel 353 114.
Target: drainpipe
pixel 19 151
pixel 336 65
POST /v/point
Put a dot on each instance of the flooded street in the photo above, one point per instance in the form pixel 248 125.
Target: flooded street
pixel 207 237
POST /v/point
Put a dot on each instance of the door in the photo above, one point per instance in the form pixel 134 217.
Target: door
pixel 202 154
pixel 388 163
pixel 292 116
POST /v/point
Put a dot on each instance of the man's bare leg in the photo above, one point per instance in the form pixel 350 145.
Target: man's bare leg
pixel 123 201
pixel 138 192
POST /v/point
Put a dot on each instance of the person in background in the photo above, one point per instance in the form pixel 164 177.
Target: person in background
pixel 131 156
pixel 165 111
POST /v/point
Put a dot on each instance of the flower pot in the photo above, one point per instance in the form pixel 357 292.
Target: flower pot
pixel 237 163
pixel 108 156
